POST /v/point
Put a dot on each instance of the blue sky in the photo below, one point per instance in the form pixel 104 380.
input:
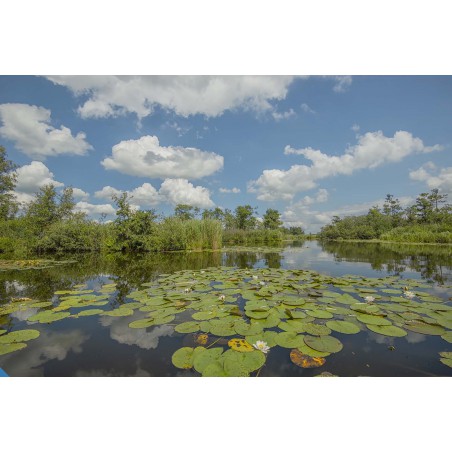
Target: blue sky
pixel 311 147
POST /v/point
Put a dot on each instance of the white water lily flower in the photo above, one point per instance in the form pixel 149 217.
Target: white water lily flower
pixel 409 294
pixel 369 299
pixel 255 277
pixel 262 346
pixel 262 283
pixel 222 298
pixel 187 290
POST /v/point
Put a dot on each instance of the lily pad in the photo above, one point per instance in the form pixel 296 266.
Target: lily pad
pixel 238 364
pixel 305 361
pixel 316 329
pixel 447 336
pixel 214 369
pixel 292 326
pixel 201 339
pixel 342 326
pixel 369 319
pixel 446 361
pixel 206 357
pixel 306 350
pixel 142 323
pixel 183 357
pixel 208 315
pixel 89 312
pixel 48 316
pixel 240 345
pixel 425 328
pixel 187 327
pixel 19 336
pixel 269 337
pixel 10 348
pixel 289 340
pixel 2 332
pixel 387 330
pixel 247 329
pixel 119 312
pixel 319 314
pixel 324 343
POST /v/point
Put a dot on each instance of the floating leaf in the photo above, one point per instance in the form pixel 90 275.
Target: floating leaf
pixel 292 326
pixel 89 312
pixel 208 315
pixel 240 345
pixel 319 314
pixel 269 337
pixel 369 319
pixel 316 329
pixel 41 304
pixel 238 364
pixel 425 328
pixel 289 340
pixel 9 348
pixel 247 329
pixel 387 330
pixel 342 326
pixel 214 369
pixel 48 316
pixel 19 336
pixel 305 361
pixel 142 323
pixel 206 357
pixel 446 361
pixel 324 343
pixel 187 327
pixel 201 339
pixel 183 358
pixel 2 332
pixel 447 336
pixel 119 312
pixel 326 374
pixel 305 349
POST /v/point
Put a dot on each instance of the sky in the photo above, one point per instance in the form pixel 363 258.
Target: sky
pixel 311 146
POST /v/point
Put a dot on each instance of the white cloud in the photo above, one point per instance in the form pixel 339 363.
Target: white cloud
pixel 181 130
pixel 145 195
pixel 300 213
pixel 145 157
pixel 284 115
pixel 28 126
pixel 355 128
pixel 30 178
pixel 434 178
pixel 307 109
pixel 343 82
pixel 79 193
pixel 95 209
pixel 373 150
pixel 185 95
pixel 107 192
pixel 230 190
pixel 180 191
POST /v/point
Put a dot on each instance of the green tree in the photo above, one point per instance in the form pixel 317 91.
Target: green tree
pixel 393 209
pixel 43 210
pixel 245 217
pixel 185 212
pixel 213 214
pixel 272 219
pixel 8 178
pixel 296 230
pixel 424 208
pixel 229 220
pixel 436 198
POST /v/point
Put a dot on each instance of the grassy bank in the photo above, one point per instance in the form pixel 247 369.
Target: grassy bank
pixel 252 237
pixel 432 233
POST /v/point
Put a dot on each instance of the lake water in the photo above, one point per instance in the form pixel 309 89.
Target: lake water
pixel 107 346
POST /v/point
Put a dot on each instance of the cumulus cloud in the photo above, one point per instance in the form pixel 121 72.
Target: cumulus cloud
pixel 145 157
pixel 230 190
pixel 434 177
pixel 209 95
pixel 180 191
pixel 29 127
pixel 302 214
pixel 79 193
pixel 278 116
pixel 30 178
pixel 342 83
pixel 95 209
pixel 372 150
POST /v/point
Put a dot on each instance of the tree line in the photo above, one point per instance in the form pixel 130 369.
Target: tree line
pixel 427 220
pixel 51 222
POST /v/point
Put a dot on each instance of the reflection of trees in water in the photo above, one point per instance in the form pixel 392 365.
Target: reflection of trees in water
pixel 432 261
pixel 248 259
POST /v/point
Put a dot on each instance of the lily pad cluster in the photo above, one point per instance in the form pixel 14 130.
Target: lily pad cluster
pixel 30 264
pixel 254 310
pixel 16 340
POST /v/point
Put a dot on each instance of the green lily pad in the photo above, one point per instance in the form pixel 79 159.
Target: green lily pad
pixel 19 336
pixel 10 348
pixel 247 329
pixel 119 312
pixel 292 326
pixel 208 315
pixel 370 319
pixel 316 329
pixel 183 358
pixel 142 323
pixel 324 343
pixel 162 320
pixel 342 326
pixel 311 352
pixel 319 314
pixel 387 330
pixel 446 354
pixel 214 369
pixel 267 336
pixel 89 312
pixel 425 328
pixel 41 304
pixel 446 361
pixel 222 330
pixel 238 364
pixel 207 357
pixel 187 327
pixel 289 340
pixel 48 316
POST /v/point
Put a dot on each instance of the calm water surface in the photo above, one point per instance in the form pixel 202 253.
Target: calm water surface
pixel 106 346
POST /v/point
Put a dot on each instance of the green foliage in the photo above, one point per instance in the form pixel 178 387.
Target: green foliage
pixel 252 237
pixel 429 220
pixel 245 217
pixel 8 205
pixel 185 212
pixel 272 219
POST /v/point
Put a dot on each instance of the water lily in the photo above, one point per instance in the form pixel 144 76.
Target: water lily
pixel 409 294
pixel 255 277
pixel 369 299
pixel 262 283
pixel 187 290
pixel 262 346
pixel 222 298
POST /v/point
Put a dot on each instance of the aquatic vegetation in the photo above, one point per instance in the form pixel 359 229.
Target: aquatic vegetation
pixel 251 311
pixel 30 264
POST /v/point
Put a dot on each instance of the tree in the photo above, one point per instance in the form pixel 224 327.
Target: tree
pixel 229 219
pixel 393 209
pixel 66 204
pixel 43 209
pixel 272 219
pixel 296 230
pixel 435 198
pixel 185 212
pixel 244 217
pixel 213 214
pixel 8 178
pixel 424 208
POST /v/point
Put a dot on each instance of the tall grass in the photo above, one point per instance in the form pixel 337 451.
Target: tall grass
pixel 252 237
pixel 429 233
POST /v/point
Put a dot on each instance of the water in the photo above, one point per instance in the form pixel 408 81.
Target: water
pixel 106 346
